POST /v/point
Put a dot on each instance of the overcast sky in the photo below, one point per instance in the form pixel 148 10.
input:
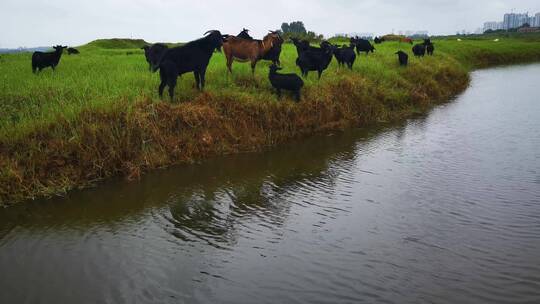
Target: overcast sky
pixel 72 22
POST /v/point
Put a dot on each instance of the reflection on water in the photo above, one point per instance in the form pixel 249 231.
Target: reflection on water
pixel 443 208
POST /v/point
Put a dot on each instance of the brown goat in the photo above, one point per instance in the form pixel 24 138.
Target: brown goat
pixel 244 50
pixel 406 40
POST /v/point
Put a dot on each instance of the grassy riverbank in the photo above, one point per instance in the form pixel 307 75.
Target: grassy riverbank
pixel 99 115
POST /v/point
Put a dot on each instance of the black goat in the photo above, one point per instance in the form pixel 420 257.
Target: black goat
pixel 288 82
pixel 345 55
pixel 315 59
pixel 72 51
pixel 153 54
pixel 403 58
pixel 362 45
pixel 301 45
pixel 244 34
pixel 275 52
pixel 41 60
pixel 430 47
pixel 419 50
pixel 378 40
pixel 193 57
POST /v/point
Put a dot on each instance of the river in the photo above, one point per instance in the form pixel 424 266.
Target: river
pixel 442 208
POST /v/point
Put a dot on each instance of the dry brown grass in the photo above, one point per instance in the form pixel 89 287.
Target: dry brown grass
pixel 128 141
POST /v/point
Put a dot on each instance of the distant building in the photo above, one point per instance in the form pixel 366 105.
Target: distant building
pixel 489 26
pixel 354 34
pixel 418 34
pixel 536 22
pixel 493 25
pixel 512 20
pixel 363 35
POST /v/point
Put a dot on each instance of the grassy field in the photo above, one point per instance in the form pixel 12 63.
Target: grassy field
pixel 98 115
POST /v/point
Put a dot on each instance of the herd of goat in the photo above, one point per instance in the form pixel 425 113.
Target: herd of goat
pixel 195 56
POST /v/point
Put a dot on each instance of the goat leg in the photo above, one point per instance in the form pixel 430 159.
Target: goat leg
pixel 161 87
pixel 203 76
pixel 253 64
pixel 229 64
pixel 297 95
pixel 197 80
pixel 171 83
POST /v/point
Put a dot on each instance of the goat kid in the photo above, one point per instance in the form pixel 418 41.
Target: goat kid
pixel 289 82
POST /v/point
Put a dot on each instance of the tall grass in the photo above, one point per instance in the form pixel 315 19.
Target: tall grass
pixel 99 115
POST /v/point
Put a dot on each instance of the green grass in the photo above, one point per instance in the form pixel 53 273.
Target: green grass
pixel 100 77
pixel 99 115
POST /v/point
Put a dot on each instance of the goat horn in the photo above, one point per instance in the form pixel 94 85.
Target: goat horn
pixel 210 31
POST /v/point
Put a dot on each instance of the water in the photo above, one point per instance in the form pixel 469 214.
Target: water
pixel 443 208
